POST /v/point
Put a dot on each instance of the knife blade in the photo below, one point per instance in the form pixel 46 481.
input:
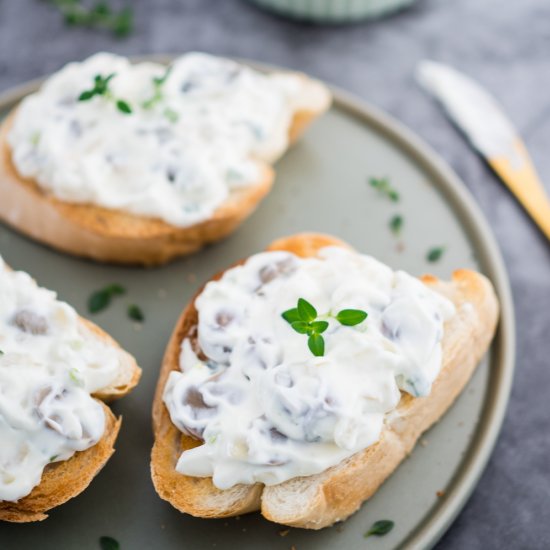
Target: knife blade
pixel 490 132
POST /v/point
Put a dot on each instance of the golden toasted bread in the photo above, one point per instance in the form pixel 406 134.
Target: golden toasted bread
pixel 66 479
pixel 120 237
pixel 320 500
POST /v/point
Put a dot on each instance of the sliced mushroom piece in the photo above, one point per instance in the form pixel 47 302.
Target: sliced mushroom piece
pixel 30 322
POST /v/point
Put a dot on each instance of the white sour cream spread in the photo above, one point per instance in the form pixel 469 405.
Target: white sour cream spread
pixel 49 365
pixel 186 144
pixel 265 407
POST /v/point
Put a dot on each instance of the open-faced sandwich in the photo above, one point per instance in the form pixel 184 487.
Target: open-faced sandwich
pixel 139 163
pixel 297 381
pixel 56 371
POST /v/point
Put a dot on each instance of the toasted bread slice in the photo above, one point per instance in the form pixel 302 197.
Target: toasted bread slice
pixel 66 479
pixel 320 500
pixel 119 237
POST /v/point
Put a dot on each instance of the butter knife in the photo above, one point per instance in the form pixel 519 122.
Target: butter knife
pixel 491 133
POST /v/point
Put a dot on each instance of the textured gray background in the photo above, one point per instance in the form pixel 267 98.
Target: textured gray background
pixel 506 46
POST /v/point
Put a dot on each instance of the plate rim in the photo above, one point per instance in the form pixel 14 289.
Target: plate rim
pixel 440 517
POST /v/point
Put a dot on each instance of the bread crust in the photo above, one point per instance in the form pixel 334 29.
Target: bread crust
pixel 115 236
pixel 64 480
pixel 317 501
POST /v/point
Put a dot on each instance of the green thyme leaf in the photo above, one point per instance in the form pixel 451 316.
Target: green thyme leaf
pixel 135 313
pixel 53 458
pixel 1 352
pixel 434 254
pixel 101 88
pixel 86 95
pixel 384 187
pixel 115 289
pixel 351 317
pixel 160 80
pixel 157 96
pixel 380 528
pixel 291 315
pixel 316 344
pixel 396 223
pixel 108 543
pixel 123 23
pixel 123 107
pixel 300 326
pixel 74 376
pixel 35 138
pixel 100 299
pixel 171 115
pixel 319 326
pixel 307 312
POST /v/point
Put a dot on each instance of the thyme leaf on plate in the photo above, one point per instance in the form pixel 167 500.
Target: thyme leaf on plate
pixel 384 187
pixel 380 528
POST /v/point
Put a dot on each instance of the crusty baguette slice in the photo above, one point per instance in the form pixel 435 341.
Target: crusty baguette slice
pixel 320 500
pixel 119 237
pixel 64 480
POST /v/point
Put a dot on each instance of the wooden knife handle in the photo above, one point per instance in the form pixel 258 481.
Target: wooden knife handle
pixel 521 178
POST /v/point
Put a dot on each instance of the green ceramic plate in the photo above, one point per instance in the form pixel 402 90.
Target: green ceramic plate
pixel 321 186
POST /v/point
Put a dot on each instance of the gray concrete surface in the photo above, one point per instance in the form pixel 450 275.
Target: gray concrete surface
pixel 506 46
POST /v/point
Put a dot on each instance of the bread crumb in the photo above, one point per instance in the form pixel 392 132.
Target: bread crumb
pixel 237 518
pixel 424 442
pixel 440 493
pixel 162 294
pixel 284 532
pixel 137 326
pixel 400 246
pixel 340 527
pixel 191 278
pixel 293 547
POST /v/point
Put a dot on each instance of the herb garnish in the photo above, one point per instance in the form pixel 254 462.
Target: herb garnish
pixel 135 313
pixel 384 186
pixel 74 376
pixel 305 320
pixel 1 352
pixel 109 543
pixel 101 88
pixel 100 299
pixel 171 115
pixel 158 82
pixel 99 15
pixel 396 223
pixel 380 528
pixel 434 254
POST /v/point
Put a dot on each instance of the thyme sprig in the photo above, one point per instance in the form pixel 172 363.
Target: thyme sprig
pixel 101 88
pixel 384 187
pixel 99 15
pixel 304 319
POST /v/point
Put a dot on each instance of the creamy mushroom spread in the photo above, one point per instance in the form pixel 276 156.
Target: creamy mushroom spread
pixel 265 407
pixel 190 139
pixel 49 365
